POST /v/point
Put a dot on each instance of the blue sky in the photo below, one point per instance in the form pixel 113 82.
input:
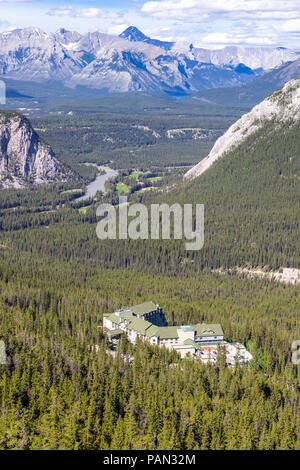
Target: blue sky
pixel 214 23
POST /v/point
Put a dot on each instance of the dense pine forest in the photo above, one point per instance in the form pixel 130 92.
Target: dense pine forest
pixel 61 390
pixel 251 201
pixel 126 141
pixel 63 387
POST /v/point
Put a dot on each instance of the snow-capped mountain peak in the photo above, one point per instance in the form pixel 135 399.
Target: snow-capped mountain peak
pixel 139 62
pixel 133 34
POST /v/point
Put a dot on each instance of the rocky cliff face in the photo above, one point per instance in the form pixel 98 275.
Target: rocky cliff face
pixel 24 158
pixel 281 107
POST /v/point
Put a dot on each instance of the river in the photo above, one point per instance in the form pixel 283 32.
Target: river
pixel 98 184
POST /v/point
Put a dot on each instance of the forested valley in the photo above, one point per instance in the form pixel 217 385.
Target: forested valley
pixel 62 386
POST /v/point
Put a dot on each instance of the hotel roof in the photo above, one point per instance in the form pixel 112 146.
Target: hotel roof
pixel 126 316
pixel 167 332
pixel 190 342
pixel 143 309
pixel 114 318
pixel 152 331
pixel 148 329
pixel 204 329
pixel 139 325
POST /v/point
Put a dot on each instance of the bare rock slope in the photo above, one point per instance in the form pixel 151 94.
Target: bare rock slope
pixel 131 62
pixel 281 106
pixel 24 158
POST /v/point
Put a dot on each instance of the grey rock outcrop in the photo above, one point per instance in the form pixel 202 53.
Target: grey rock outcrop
pixel 24 158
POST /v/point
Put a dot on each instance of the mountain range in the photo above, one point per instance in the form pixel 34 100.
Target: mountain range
pixel 254 91
pixel 131 61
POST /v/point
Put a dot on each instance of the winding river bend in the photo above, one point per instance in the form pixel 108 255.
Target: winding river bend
pixel 98 184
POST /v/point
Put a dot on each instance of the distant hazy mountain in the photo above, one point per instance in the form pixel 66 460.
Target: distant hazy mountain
pixel 280 108
pixel 24 158
pixel 254 91
pixel 130 62
pixel 277 77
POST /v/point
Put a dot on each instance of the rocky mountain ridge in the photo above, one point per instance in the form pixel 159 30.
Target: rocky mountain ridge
pixel 282 106
pixel 130 62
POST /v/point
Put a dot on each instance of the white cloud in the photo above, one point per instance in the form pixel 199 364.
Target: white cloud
pixel 270 15
pixel 214 23
pixel 225 38
pixel 89 13
pixel 291 26
pixel 218 38
pixel 117 28
pixel 195 9
pixel 257 40
pixel 221 5
pixel 221 22
pixel 115 17
pixel 11 28
pixel 76 12
pixel 173 9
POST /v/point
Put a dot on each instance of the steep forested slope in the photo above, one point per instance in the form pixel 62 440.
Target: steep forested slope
pixel 252 213
pixel 60 390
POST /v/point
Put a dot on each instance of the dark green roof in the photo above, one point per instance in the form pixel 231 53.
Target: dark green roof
pixel 143 309
pixel 152 331
pixel 114 318
pixel 167 332
pixel 127 316
pixel 139 325
pixel 190 342
pixel 203 329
